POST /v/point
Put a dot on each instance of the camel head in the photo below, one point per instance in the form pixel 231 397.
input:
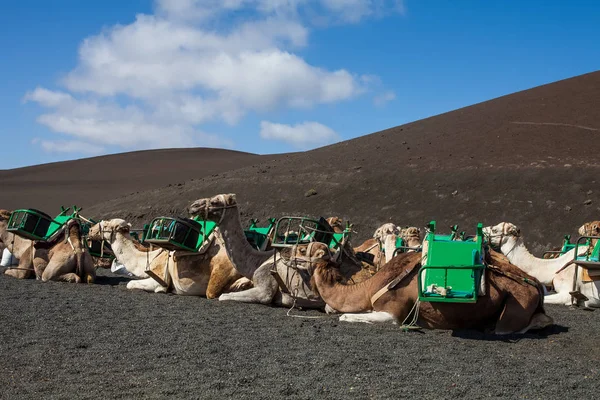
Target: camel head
pixel 590 229
pixel 307 255
pixel 213 208
pixel 4 215
pixel 498 235
pixel 386 229
pixel 336 223
pixel 412 236
pixel 105 230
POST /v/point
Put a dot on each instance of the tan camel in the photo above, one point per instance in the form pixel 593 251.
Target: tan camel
pixel 20 248
pixel 380 249
pixel 206 273
pixel 65 258
pixel 273 273
pixel 336 223
pixel 511 305
pixel 591 228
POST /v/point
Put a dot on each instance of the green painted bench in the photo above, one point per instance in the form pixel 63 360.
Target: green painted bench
pixel 451 269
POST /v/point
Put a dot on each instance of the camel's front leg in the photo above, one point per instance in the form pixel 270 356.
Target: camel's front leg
pixel 148 285
pixel 369 318
pixel 60 268
pixel 265 288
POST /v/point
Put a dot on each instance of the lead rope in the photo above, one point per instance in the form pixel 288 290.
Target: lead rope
pixel 412 325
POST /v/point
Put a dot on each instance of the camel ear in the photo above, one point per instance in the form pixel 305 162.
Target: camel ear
pixel 123 226
pixel 513 230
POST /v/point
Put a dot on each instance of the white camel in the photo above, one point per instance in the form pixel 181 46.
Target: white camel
pixel 550 272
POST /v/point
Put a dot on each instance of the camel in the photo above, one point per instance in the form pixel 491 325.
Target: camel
pixel 591 228
pixel 206 273
pixel 382 246
pixel 64 257
pixel 21 248
pixel 274 273
pixel 513 303
pixel 551 272
pixel 336 223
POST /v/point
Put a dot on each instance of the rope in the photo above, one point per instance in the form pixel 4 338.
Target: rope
pixel 412 325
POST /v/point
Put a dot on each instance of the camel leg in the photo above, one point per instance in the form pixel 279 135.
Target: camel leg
pixel 148 285
pixel 563 298
pixel 514 317
pixel 89 270
pixel 538 321
pixel 18 273
pixel 60 268
pixel 265 288
pixel 219 281
pixel 369 318
pixel 240 284
pixel 25 267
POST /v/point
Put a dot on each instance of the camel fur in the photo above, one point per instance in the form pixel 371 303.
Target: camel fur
pixel 273 273
pixel 20 248
pixel 551 272
pixel 510 305
pixel 208 273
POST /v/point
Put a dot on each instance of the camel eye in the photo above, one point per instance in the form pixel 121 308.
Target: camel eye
pixel 495 230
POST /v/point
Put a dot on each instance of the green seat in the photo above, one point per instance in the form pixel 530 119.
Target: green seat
pixel 257 236
pixel 178 233
pixel 591 259
pixel 451 269
pixel 290 231
pixel 36 225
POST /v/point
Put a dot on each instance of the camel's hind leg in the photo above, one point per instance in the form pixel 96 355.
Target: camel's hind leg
pixel 265 288
pixel 369 318
pixel 515 316
pixel 25 266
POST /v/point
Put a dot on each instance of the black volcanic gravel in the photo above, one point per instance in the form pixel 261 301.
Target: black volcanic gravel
pixel 71 341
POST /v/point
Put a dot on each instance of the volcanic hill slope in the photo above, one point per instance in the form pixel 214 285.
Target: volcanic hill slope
pixel 92 180
pixel 530 158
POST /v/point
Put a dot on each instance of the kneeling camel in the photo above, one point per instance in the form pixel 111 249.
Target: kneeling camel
pixel 511 305
pixel 207 273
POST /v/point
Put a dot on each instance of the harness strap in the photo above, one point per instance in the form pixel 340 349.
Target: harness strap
pixel 392 284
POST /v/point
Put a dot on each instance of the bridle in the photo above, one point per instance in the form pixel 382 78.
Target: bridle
pixel 211 208
pixel 502 235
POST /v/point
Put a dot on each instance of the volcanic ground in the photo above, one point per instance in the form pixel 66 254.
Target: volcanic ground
pixel 528 158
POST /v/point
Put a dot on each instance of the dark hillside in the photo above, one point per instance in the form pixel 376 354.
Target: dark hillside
pixel 92 180
pixel 529 157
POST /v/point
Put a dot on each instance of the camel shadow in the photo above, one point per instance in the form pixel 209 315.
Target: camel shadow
pixel 111 280
pixel 544 333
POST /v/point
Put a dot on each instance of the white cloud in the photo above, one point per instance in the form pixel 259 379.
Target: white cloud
pixel 155 81
pixel 384 98
pixel 302 135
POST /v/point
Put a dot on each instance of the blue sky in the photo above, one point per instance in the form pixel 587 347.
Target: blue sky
pixel 83 78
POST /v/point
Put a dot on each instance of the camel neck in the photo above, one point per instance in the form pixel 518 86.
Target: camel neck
pixel 390 247
pixel 344 298
pixel 243 256
pixel 543 269
pixel 127 254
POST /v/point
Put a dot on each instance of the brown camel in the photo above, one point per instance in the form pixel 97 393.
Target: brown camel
pixel 513 303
